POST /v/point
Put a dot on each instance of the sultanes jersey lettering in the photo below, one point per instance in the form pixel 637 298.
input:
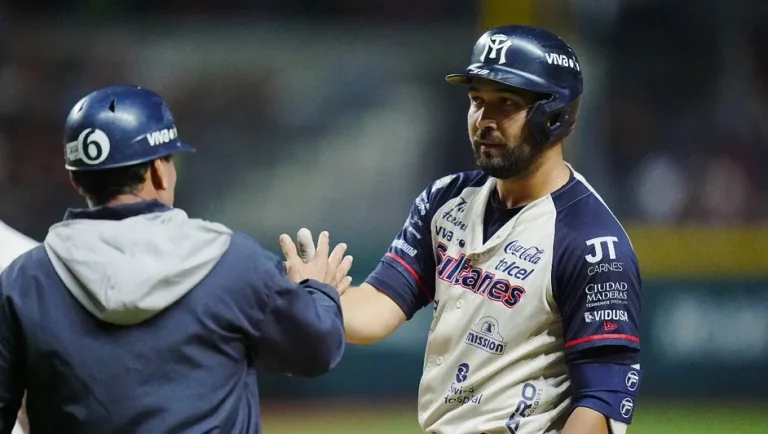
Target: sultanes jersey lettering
pixel 559 276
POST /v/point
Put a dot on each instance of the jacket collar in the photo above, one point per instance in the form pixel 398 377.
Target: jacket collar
pixel 116 212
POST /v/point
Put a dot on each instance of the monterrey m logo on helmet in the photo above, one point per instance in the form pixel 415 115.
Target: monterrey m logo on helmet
pixel 494 43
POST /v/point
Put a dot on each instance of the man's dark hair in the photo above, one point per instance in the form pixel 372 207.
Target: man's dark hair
pixel 101 186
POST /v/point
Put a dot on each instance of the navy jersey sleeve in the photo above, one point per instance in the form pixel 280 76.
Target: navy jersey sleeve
pixel 596 278
pixel 11 361
pixel 406 273
pixel 598 292
pixel 295 329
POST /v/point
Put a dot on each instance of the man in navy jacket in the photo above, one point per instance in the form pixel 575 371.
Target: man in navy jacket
pixel 132 317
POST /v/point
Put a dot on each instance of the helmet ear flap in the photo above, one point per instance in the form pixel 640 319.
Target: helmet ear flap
pixel 549 121
pixel 537 122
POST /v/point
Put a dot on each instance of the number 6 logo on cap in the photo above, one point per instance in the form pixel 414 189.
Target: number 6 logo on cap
pixel 93 146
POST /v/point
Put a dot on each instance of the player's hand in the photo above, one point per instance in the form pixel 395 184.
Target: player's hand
pixel 328 268
pixel 306 246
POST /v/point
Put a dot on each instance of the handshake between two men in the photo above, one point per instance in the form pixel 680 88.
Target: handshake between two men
pixel 369 314
pixel 306 261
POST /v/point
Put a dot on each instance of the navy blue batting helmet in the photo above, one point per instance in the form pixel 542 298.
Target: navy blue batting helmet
pixel 536 60
pixel 119 126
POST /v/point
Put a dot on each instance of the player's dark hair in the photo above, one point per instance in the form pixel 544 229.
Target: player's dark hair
pixel 102 186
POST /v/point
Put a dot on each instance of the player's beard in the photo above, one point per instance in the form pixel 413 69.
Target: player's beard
pixel 508 161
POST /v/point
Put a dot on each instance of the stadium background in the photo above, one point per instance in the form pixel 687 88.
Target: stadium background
pixel 333 114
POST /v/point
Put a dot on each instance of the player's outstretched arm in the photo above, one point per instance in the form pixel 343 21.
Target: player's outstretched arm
pixel 369 315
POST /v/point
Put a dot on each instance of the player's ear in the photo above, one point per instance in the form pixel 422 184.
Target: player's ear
pixel 159 175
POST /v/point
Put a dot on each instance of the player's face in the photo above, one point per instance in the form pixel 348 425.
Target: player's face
pixel 496 121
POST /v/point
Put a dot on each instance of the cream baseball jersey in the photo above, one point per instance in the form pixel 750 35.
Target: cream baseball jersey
pixel 12 245
pixel 515 292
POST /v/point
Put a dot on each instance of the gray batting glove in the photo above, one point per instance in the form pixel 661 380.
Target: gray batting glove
pixel 306 244
pixel 306 250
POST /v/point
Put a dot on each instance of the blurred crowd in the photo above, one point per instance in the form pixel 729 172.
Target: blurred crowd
pixel 283 118
pixel 686 106
pixel 688 111
pixel 370 10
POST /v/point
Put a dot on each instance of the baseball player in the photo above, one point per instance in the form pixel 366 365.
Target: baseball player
pixel 534 282
pixel 133 317
pixel 13 244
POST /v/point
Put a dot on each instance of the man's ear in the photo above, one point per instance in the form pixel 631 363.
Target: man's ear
pixel 158 175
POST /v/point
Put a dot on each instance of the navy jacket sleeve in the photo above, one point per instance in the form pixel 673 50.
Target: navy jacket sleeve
pixel 295 329
pixel 406 273
pixel 11 360
pixel 597 288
